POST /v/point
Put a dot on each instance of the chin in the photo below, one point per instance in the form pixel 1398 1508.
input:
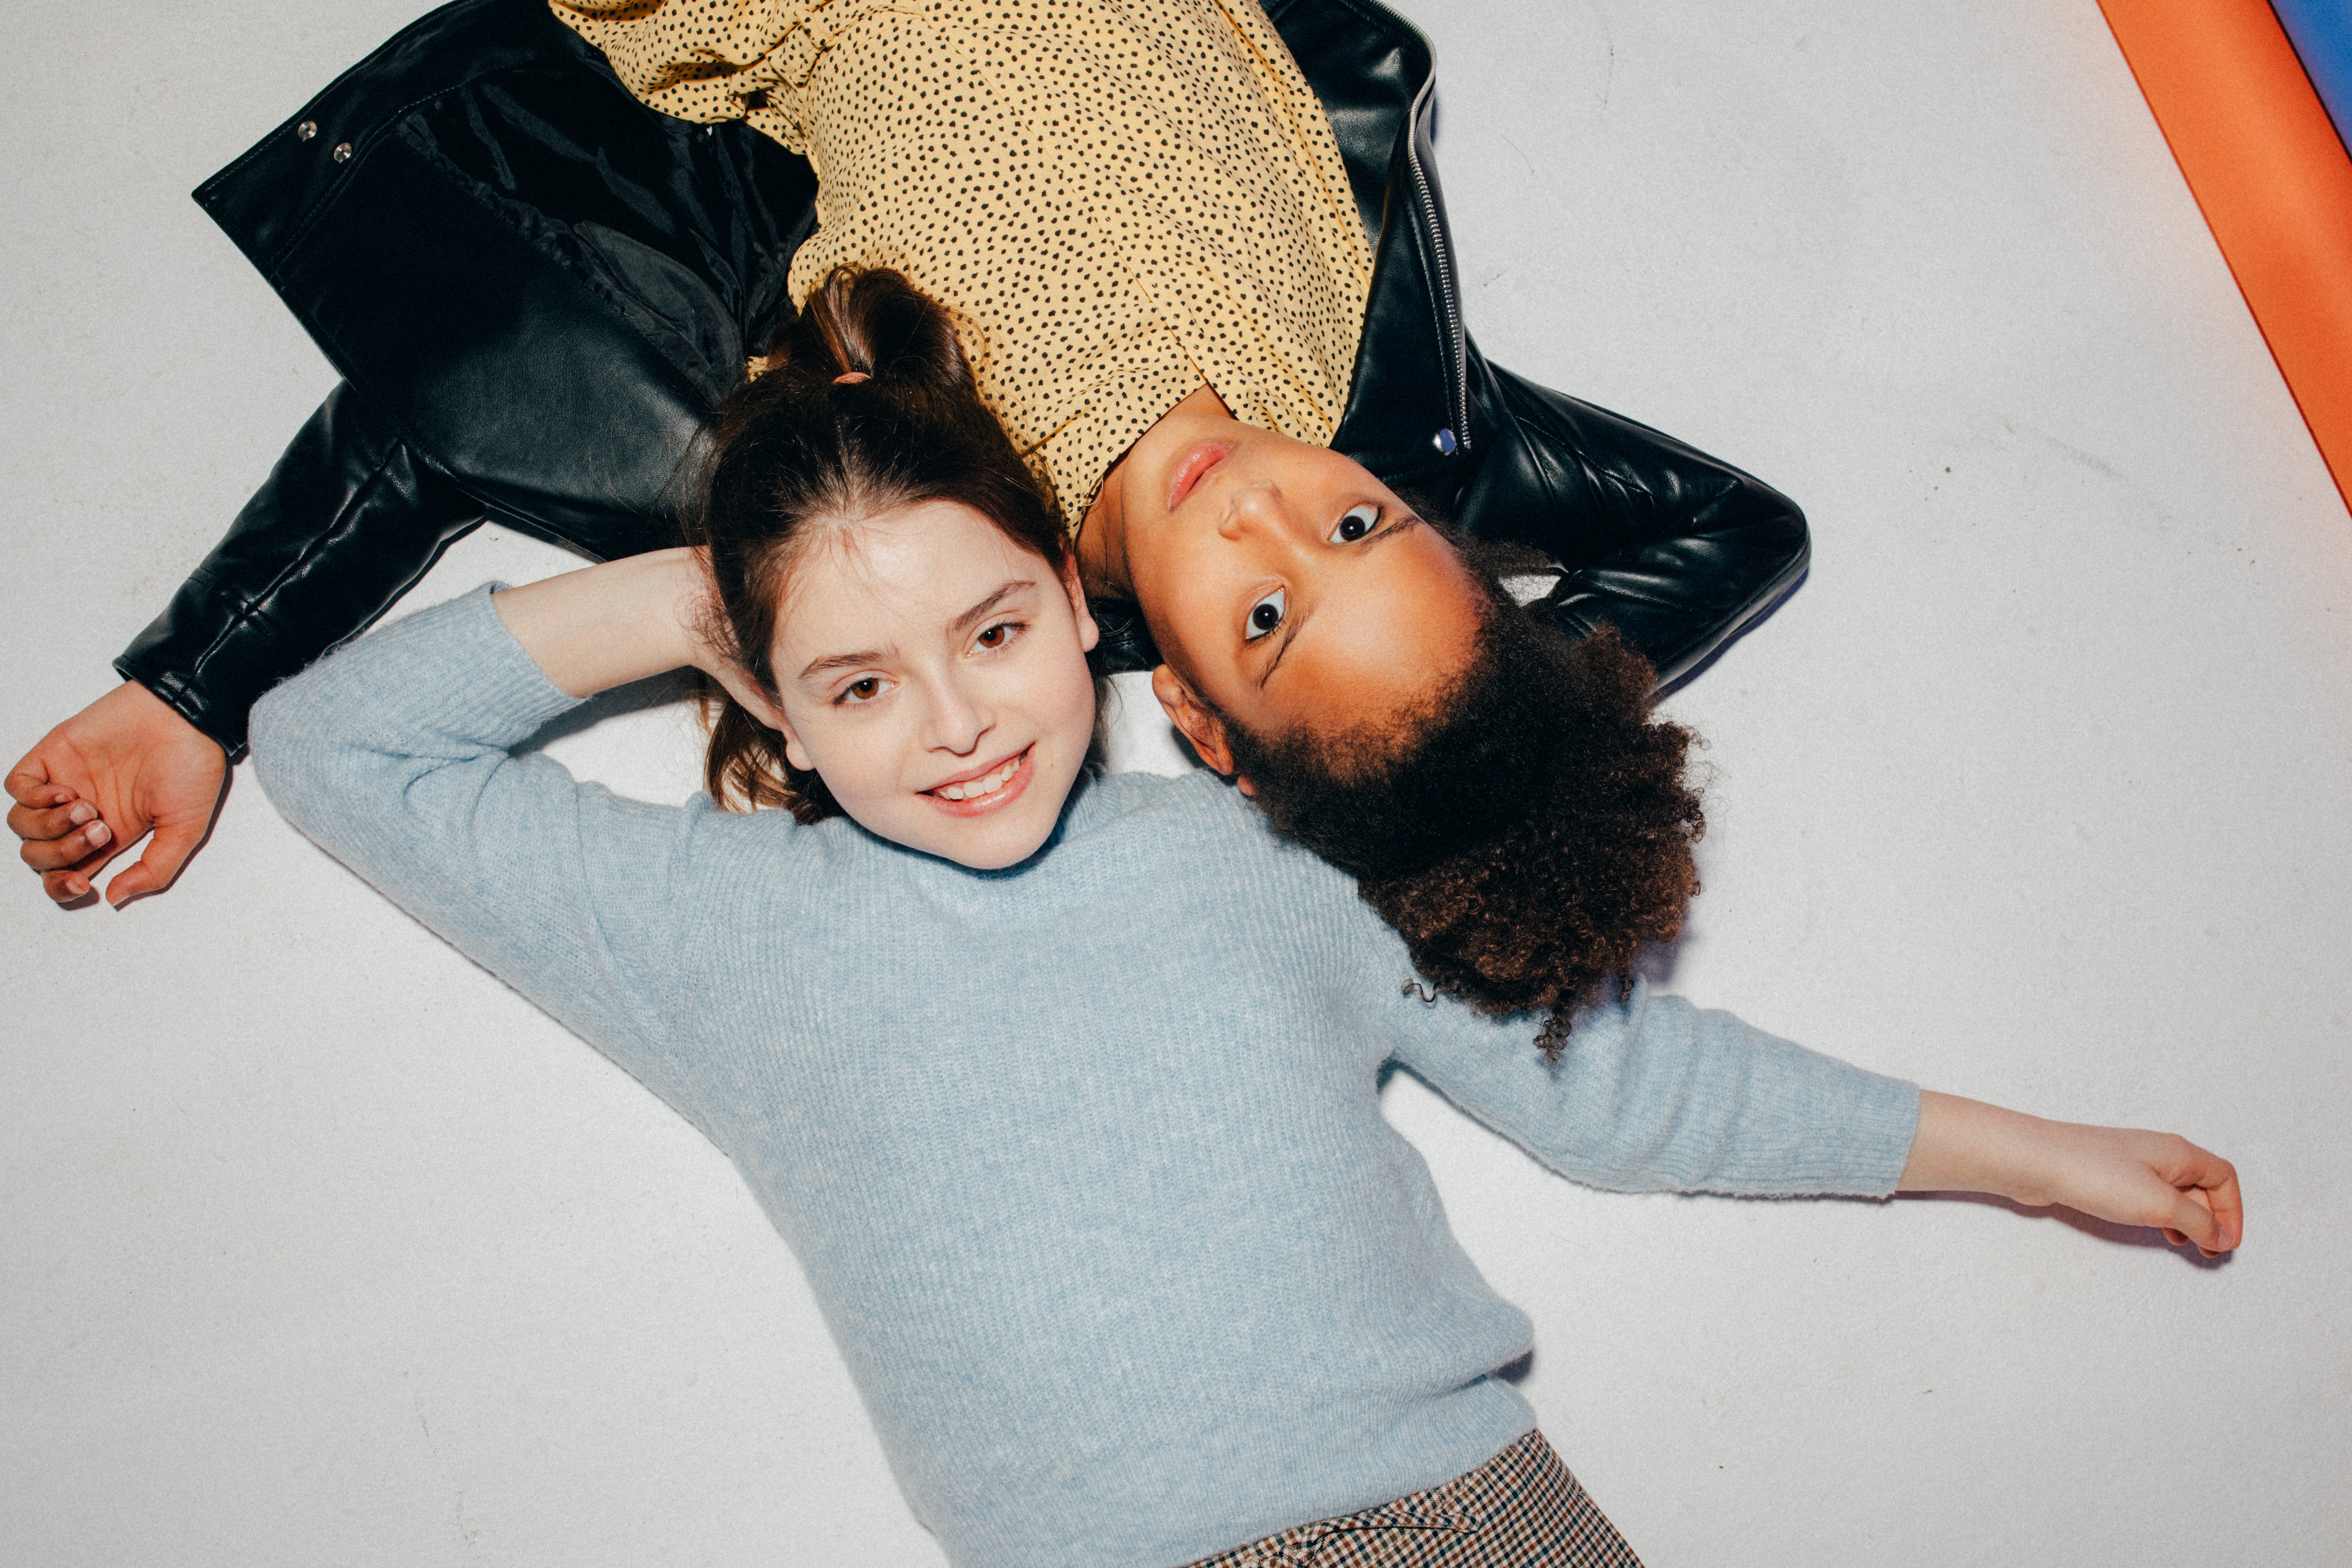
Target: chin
pixel 1000 845
pixel 998 862
pixel 989 844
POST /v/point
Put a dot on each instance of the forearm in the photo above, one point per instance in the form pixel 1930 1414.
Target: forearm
pixel 607 625
pixel 2134 1177
pixel 347 521
pixel 1967 1146
pixel 1655 1095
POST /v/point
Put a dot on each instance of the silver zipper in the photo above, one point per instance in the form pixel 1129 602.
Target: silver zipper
pixel 1461 405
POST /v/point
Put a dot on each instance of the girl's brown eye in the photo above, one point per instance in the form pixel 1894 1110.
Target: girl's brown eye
pixel 864 690
pixel 993 638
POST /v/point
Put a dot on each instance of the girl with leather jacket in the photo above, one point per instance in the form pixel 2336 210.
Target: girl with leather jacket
pixel 535 287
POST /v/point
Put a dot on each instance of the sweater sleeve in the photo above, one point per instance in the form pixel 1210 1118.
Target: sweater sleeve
pixel 1651 1094
pixel 395 755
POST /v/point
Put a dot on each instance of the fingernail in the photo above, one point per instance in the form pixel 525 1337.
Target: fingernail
pixel 78 888
pixel 83 812
pixel 98 833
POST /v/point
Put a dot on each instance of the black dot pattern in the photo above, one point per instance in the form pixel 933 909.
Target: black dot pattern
pixel 1119 200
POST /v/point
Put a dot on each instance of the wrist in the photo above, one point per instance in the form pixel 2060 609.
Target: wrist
pixel 1965 1145
pixel 607 625
pixel 692 606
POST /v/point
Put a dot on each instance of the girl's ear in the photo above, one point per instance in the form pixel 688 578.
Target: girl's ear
pixel 1200 726
pixel 773 716
pixel 1089 633
pixel 746 690
pixel 794 753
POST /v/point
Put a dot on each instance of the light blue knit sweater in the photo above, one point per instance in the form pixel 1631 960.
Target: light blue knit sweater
pixel 1083 1158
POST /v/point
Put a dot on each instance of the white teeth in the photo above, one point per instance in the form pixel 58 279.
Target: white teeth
pixel 981 786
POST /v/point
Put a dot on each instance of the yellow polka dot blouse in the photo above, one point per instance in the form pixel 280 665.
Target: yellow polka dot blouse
pixel 1119 200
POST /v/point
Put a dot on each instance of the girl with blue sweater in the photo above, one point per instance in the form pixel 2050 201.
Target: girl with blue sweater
pixel 1063 1087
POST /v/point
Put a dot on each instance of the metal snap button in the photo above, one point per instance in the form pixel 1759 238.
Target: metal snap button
pixel 342 155
pixel 304 131
pixel 1445 443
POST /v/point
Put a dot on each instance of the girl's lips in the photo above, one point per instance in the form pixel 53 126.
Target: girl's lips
pixel 1196 464
pixel 1004 796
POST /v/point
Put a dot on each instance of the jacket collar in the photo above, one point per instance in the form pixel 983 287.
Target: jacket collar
pixel 1409 415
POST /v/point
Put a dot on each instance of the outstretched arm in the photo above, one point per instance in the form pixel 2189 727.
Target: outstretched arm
pixel 348 520
pixel 2118 1173
pixel 1652 1094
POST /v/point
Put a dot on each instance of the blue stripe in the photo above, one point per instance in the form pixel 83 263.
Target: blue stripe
pixel 2321 31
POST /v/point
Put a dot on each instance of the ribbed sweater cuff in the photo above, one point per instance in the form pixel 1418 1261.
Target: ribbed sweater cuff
pixel 1880 1127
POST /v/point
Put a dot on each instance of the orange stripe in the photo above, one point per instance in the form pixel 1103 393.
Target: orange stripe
pixel 2267 168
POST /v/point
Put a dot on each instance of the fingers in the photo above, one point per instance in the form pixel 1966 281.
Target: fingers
pixel 156 870
pixel 66 835
pixel 2192 1221
pixel 43 817
pixel 60 837
pixel 2203 1205
pixel 75 881
pixel 41 803
pixel 2209 1188
pixel 30 783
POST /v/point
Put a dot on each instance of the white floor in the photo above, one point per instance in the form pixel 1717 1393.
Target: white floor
pixel 319 1247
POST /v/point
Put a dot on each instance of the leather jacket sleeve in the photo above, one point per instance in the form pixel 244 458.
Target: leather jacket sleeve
pixel 1677 550
pixel 347 522
pixel 534 288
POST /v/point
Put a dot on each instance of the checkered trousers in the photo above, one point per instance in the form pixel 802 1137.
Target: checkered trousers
pixel 1519 1509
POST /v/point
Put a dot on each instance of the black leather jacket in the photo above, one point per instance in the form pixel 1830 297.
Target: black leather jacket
pixel 534 287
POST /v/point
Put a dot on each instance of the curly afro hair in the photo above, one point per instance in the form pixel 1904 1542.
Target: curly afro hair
pixel 1529 841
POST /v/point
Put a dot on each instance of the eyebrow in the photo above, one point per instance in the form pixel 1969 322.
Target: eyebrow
pixel 1290 631
pixel 979 611
pixel 1289 634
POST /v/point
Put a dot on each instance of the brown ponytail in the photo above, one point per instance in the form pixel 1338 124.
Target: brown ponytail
pixel 798 454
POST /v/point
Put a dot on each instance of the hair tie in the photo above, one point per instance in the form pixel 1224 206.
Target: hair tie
pixel 850 377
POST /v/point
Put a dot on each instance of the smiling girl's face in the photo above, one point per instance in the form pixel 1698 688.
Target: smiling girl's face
pixel 933 673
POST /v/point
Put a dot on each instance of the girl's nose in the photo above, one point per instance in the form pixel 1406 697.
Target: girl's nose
pixel 955 722
pixel 1251 508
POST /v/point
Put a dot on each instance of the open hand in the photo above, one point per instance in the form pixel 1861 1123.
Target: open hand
pixel 122 767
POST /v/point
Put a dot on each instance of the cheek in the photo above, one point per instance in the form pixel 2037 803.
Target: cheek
pixel 854 758
pixel 1068 705
pixel 1184 605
